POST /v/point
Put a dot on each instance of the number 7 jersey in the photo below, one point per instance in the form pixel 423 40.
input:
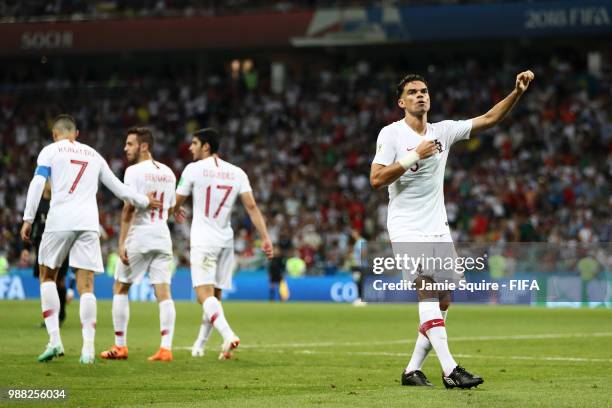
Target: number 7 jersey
pixel 74 170
pixel 215 185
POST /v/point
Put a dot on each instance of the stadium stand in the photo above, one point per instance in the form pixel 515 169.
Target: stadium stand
pixel 543 175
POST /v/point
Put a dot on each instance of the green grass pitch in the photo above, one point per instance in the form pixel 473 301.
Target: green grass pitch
pixel 328 355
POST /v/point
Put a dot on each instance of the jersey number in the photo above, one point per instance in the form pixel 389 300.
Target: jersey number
pixel 83 165
pixel 228 190
pixel 161 209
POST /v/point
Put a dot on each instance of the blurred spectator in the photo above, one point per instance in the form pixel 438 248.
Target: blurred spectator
pixel 4 264
pixel 24 259
pixel 19 10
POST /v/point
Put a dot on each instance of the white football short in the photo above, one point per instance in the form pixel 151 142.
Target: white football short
pixel 434 256
pixel 82 248
pixel 212 266
pixel 158 264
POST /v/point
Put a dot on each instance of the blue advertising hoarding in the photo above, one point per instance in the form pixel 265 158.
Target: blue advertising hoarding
pixel 246 286
pixel 387 24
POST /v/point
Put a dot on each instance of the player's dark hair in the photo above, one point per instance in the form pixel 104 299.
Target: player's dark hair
pixel 408 78
pixel 143 134
pixel 210 136
pixel 64 123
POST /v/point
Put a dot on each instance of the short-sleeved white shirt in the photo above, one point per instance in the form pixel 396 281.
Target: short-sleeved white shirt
pixel 149 230
pixel 75 170
pixel 416 199
pixel 215 185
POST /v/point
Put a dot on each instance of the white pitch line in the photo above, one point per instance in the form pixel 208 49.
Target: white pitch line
pixel 476 356
pixel 534 358
pixel 408 341
pixel 452 339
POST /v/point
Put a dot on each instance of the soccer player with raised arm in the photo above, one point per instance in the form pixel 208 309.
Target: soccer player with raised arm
pixel 214 185
pixel 411 158
pixel 144 244
pixel 72 227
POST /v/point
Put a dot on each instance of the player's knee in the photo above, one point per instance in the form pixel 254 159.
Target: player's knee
pixel 84 287
pixel 47 275
pixel 424 294
pixel 47 278
pixel 445 300
pixel 121 288
pixel 204 292
pixel 218 294
pixel 162 292
pixel 85 281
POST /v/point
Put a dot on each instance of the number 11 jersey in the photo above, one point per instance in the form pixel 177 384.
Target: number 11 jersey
pixel 215 185
pixel 149 230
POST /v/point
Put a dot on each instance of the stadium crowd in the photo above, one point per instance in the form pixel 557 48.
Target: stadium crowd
pixel 543 175
pixel 52 10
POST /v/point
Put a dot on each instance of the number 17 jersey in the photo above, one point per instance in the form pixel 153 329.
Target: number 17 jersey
pixel 215 185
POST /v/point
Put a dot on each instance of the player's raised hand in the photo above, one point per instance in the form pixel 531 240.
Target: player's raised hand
pixel 523 80
pixel 426 148
pixel 26 228
pixel 153 202
pixel 267 247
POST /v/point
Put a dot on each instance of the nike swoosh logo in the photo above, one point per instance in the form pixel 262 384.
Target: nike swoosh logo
pixel 410 149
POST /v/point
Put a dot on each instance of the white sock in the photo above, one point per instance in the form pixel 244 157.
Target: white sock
pixel 429 312
pixel 213 311
pixel 422 347
pixel 50 303
pixel 121 317
pixel 205 331
pixel 88 311
pixel 167 316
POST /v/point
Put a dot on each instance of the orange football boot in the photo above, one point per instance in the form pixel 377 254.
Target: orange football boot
pixel 115 353
pixel 162 355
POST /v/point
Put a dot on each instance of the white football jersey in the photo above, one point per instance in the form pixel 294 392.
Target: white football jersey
pixel 416 199
pixel 215 185
pixel 74 170
pixel 149 230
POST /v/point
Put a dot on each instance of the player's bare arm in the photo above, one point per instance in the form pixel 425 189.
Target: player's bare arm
pixel 120 190
pixel 26 228
pixel 178 211
pixel 498 112
pixel 381 175
pixel 258 220
pixel 37 188
pixel 127 215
